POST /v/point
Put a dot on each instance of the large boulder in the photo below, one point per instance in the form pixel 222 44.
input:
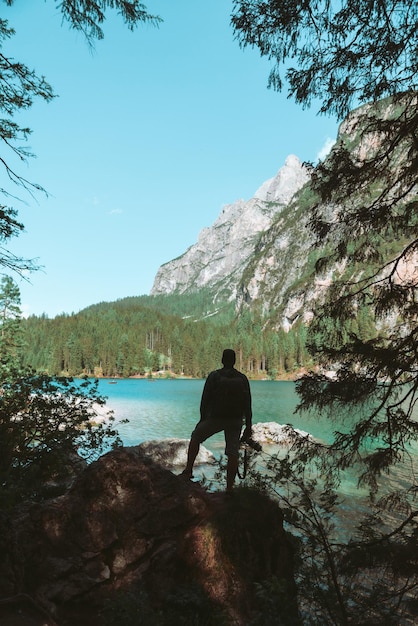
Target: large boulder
pixel 130 536
pixel 274 433
pixel 172 453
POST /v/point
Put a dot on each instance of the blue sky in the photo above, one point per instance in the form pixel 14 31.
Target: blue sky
pixel 152 133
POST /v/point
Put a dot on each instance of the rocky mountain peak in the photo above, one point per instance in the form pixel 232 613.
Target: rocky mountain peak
pixel 223 249
pixel 281 188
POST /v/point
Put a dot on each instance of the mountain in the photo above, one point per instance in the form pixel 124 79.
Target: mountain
pixel 281 280
pixel 223 251
pixel 251 279
pixel 260 254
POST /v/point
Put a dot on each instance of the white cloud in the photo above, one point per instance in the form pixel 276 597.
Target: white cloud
pixel 325 150
pixel 115 211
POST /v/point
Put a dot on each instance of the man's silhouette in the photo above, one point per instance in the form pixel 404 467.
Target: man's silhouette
pixel 226 401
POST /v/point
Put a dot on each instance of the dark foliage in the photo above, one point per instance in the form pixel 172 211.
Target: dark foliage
pixel 342 55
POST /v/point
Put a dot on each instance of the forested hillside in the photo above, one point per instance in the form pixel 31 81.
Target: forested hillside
pixel 138 336
pixel 172 335
pixel 184 333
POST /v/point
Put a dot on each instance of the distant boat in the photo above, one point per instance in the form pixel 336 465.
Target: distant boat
pixel 112 382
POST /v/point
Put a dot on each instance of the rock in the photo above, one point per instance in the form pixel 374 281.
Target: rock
pixel 283 186
pixel 22 610
pixel 172 453
pixel 271 432
pixel 130 536
pixel 223 250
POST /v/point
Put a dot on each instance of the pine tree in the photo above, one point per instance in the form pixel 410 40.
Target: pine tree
pixel 11 335
pixel 46 423
pixel 342 55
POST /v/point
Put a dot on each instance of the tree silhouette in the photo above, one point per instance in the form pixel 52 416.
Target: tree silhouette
pixel 344 55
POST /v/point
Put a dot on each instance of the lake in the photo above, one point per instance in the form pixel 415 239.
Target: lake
pixel 161 408
pixel 165 408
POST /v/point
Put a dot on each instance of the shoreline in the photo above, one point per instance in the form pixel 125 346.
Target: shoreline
pixel 291 377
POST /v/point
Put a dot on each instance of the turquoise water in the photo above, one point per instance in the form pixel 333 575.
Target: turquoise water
pixel 165 408
pixel 159 409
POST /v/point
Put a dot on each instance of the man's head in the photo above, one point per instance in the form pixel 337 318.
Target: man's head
pixel 228 358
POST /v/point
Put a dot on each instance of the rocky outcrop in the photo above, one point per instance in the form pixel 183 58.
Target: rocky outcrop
pixel 261 253
pixel 131 538
pixel 281 276
pixel 172 453
pixel 283 434
pixel 222 251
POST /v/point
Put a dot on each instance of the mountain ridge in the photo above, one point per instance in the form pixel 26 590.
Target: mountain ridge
pixel 223 250
pixel 261 253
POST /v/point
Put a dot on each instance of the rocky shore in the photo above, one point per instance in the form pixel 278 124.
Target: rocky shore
pixel 130 535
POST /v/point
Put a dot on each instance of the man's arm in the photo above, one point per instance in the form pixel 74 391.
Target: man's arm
pixel 206 400
pixel 248 411
pixel 248 405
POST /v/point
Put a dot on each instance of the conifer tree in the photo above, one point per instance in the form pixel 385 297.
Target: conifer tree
pixel 47 424
pixel 342 55
pixel 358 60
pixel 11 337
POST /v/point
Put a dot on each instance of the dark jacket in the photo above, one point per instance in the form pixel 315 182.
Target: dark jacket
pixel 207 403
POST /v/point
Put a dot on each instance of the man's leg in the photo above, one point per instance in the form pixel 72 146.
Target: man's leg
pixel 232 441
pixel 192 453
pixel 203 430
pixel 231 471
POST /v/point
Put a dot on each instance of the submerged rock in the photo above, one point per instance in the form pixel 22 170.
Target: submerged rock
pixel 131 538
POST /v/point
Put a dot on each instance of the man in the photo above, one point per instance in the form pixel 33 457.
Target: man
pixel 226 401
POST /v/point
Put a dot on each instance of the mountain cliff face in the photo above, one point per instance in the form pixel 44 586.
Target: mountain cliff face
pixel 223 250
pixel 260 253
pixel 280 277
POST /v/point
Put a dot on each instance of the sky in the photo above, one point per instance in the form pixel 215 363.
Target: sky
pixel 150 135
